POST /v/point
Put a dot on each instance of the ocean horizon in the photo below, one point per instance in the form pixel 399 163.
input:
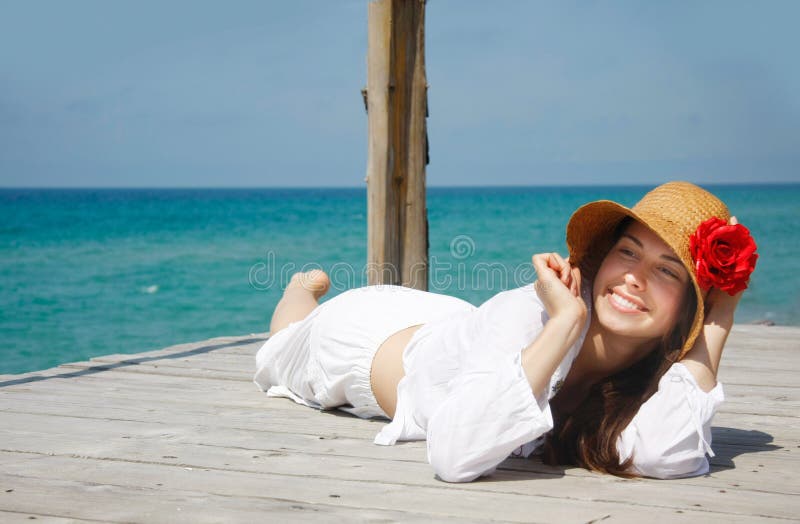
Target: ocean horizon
pixel 92 271
pixel 710 186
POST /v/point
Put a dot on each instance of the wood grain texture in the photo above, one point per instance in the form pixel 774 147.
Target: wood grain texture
pixel 183 435
pixel 396 99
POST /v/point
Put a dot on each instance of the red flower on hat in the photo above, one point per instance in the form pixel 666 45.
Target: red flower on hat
pixel 724 255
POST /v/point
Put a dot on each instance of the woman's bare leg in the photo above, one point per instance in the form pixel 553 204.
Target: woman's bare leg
pixel 300 298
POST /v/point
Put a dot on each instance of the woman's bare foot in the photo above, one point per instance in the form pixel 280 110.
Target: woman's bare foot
pixel 299 299
pixel 316 281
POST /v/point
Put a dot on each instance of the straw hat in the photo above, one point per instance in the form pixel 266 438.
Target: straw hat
pixel 672 211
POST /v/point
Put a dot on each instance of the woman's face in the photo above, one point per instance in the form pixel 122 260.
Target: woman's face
pixel 640 287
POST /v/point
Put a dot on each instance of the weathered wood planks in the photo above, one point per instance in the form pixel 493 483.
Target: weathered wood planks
pixel 182 434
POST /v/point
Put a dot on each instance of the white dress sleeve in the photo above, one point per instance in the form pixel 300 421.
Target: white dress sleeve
pixel 671 433
pixel 490 412
pixel 489 409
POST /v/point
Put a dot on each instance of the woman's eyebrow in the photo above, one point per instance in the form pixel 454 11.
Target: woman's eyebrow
pixel 639 243
pixel 635 240
pixel 672 259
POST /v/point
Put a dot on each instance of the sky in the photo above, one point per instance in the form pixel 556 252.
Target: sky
pixel 267 93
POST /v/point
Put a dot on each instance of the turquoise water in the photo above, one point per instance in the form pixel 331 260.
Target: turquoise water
pixel 91 272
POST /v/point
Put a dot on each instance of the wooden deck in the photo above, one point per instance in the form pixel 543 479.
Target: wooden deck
pixel 183 435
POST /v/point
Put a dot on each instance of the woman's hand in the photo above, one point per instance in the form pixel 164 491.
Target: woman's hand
pixel 559 287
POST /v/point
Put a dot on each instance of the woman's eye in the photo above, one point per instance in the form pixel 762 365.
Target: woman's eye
pixel 668 272
pixel 626 252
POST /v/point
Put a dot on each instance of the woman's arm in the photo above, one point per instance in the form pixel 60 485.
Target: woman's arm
pixel 497 403
pixel 671 433
pixel 489 412
pixel 704 357
pixel 558 286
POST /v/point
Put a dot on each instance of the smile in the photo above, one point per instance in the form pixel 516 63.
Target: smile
pixel 625 305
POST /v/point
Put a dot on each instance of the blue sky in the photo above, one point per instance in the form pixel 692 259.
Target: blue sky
pixel 267 93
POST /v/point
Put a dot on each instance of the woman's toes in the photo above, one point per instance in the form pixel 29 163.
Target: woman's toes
pixel 316 281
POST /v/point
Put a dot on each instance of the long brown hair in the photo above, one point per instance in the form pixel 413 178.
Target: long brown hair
pixel 588 436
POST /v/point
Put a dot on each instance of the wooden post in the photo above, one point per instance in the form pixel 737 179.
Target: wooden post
pixel 396 98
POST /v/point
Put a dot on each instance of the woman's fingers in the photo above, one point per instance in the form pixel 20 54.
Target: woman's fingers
pixel 543 265
pixel 551 267
pixel 576 281
pixel 556 263
pixel 573 286
pixel 557 296
pixel 564 268
pixel 565 272
pixel 546 269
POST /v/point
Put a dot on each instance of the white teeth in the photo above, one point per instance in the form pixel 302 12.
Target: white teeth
pixel 624 302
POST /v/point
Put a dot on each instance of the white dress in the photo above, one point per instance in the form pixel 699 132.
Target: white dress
pixel 466 393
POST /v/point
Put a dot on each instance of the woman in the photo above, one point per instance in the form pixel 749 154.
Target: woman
pixel 608 360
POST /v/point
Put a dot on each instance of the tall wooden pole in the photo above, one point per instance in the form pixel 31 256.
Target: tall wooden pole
pixel 396 97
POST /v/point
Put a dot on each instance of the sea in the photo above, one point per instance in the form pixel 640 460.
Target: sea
pixel 89 272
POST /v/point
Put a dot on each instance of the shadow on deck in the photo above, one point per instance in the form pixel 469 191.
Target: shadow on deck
pixel 182 435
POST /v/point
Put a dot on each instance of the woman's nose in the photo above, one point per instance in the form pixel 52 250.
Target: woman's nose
pixel 634 279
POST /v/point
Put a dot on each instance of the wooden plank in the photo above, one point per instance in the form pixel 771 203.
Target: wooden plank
pixel 33 428
pixel 742 399
pixel 301 420
pixel 753 402
pixel 167 371
pixel 189 350
pixel 732 372
pixel 440 499
pixel 137 418
pixel 779 385
pixel 135 400
pixel 299 452
pixel 296 456
pixel 324 427
pixel 15 517
pixel 88 501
